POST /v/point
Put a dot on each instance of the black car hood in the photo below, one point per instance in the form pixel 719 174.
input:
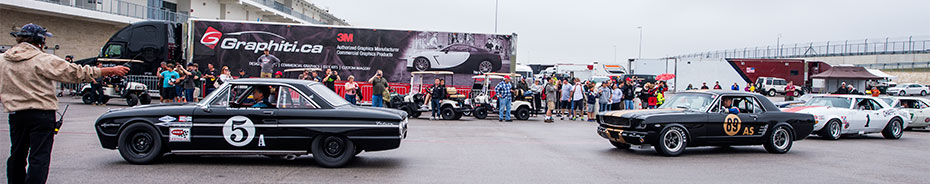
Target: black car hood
pixel 644 113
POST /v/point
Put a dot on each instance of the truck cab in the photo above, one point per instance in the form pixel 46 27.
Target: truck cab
pixel 152 42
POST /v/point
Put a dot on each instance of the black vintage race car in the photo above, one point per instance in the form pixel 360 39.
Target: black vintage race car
pixel 706 118
pixel 274 117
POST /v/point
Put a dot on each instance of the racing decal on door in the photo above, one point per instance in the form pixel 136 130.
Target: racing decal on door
pixel 868 120
pixel 731 125
pixel 166 119
pixel 179 131
pixel 238 131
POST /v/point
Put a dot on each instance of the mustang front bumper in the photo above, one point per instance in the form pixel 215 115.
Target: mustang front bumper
pixel 624 136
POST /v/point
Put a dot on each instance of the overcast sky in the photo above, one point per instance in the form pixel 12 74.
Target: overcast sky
pixel 581 31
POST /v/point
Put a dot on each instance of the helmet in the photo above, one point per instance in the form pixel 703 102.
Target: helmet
pixel 36 32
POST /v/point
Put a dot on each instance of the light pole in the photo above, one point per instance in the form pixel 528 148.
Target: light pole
pixel 640 41
pixel 495 15
pixel 778 46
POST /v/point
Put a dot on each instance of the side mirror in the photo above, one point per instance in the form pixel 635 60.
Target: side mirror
pixel 205 109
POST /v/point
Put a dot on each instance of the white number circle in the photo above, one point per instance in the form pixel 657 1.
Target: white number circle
pixel 239 131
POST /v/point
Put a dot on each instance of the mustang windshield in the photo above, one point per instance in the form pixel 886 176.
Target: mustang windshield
pixel 838 102
pixel 690 101
pixel 328 95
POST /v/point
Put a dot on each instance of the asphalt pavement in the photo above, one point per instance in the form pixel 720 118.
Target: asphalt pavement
pixel 487 151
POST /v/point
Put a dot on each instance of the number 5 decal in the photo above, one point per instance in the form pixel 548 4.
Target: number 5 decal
pixel 238 131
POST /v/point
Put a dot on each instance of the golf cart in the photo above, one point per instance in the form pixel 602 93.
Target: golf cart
pixel 521 108
pixel 452 107
pixel 118 87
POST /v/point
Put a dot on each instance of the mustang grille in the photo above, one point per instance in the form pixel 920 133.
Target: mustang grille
pixel 617 121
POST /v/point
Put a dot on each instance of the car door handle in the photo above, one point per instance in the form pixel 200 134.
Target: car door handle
pixel 754 117
pixel 270 121
pixel 268 112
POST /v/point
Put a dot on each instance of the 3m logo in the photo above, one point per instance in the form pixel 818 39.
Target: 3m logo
pixel 344 37
pixel 211 37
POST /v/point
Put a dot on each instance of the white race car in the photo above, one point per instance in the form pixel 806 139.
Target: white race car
pixel 918 109
pixel 836 115
pixel 458 57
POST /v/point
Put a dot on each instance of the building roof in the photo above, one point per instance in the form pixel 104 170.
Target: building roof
pixel 879 73
pixel 847 72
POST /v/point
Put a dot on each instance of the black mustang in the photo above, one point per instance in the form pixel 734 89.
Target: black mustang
pixel 274 117
pixel 706 118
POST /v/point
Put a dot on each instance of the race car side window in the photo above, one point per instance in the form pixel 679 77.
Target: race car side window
pixel 221 99
pixel 288 98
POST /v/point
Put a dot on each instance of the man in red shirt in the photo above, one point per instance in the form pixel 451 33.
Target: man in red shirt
pixel 789 91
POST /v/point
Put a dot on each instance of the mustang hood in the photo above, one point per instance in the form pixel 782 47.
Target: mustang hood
pixel 383 111
pixel 804 109
pixel 643 113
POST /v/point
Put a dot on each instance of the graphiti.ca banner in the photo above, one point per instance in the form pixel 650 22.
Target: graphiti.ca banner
pixel 349 51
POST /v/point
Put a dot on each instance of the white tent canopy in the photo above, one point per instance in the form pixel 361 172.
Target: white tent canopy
pixel 879 73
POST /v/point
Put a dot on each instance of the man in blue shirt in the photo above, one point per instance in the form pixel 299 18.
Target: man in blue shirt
pixel 504 96
pixel 168 91
pixel 259 95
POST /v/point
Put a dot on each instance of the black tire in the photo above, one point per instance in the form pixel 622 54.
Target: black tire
pixel 923 93
pixel 447 113
pixel 421 64
pixel 780 140
pixel 772 92
pixel 619 145
pixel 140 143
pixel 832 130
pixel 485 66
pixel 145 99
pixel 132 99
pixel 901 93
pixel 332 151
pixel 87 97
pixel 481 113
pixel 105 100
pixel 894 129
pixel 522 113
pixel 458 115
pixel 672 141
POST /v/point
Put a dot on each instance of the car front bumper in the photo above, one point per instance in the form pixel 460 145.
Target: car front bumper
pixel 625 136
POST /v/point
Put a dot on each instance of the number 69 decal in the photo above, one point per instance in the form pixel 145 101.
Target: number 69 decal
pixel 238 131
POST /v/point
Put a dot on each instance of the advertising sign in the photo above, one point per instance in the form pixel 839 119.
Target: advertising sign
pixel 359 52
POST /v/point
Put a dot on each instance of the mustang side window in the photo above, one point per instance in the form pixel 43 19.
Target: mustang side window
pixel 221 99
pixel 288 98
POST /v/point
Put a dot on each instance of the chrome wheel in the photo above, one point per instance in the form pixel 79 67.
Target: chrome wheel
pixel 485 66
pixel 834 129
pixel 781 138
pixel 673 140
pixel 896 128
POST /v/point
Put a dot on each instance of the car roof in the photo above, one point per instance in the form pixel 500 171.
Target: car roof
pixel 905 98
pixel 844 95
pixel 294 82
pixel 432 73
pixel 720 92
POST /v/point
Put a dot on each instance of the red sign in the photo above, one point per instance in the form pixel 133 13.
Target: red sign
pixel 211 37
pixel 177 132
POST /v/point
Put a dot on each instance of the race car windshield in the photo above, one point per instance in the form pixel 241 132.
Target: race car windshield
pixel 328 95
pixel 838 102
pixel 690 101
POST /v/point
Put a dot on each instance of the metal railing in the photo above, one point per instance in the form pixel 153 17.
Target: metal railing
pixel 900 45
pixel 123 8
pixel 287 10
pixel 902 65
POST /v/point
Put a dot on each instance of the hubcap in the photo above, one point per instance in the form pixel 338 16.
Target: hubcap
pixel 781 138
pixel 334 146
pixel 141 143
pixel 896 128
pixel 835 128
pixel 673 140
pixel 485 66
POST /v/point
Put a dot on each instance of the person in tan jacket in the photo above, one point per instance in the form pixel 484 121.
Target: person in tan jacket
pixel 27 92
